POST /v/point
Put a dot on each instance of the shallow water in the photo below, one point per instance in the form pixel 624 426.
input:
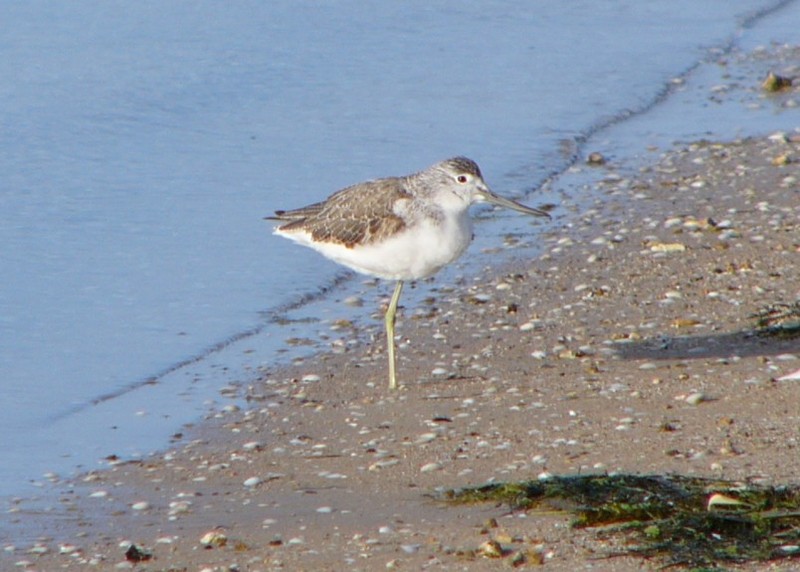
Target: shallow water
pixel 142 144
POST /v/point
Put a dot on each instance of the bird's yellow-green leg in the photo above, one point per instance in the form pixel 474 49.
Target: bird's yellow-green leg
pixel 389 319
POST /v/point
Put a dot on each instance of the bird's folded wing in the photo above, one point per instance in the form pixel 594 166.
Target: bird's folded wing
pixel 358 215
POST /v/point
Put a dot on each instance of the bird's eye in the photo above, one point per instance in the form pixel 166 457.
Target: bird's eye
pixel 462 179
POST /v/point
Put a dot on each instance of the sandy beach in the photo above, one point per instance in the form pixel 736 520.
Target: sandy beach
pixel 627 346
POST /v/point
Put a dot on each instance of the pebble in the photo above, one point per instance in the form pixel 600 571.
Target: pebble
pixel 729 234
pixel 67 549
pixel 430 467
pixel 696 398
pixel 671 247
pixel 38 549
pixel 213 539
pixel 425 438
pixel 311 378
pixel 490 549
pixel 253 482
pixel 383 464
pixel 141 505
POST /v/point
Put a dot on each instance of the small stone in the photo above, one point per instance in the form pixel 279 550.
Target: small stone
pixel 696 398
pixel 491 549
pixel 67 549
pixel 253 482
pixel 596 158
pixel 774 82
pixel 377 466
pixel 430 467
pixel 214 539
pixel 141 505
pixel 136 553
pixel 425 438
pixel 667 247
pixel 38 549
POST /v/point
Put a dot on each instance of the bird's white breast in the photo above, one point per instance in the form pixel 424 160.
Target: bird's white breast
pixel 417 251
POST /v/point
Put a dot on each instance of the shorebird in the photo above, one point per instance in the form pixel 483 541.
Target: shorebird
pixel 397 228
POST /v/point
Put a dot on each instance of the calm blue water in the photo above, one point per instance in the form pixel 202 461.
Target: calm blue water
pixel 141 144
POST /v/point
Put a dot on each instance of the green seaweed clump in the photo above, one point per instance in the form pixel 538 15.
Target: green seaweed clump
pixel 779 320
pixel 689 521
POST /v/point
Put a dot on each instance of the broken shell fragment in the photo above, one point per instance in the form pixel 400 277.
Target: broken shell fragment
pixel 491 549
pixel 718 500
pixel 667 247
pixel 214 539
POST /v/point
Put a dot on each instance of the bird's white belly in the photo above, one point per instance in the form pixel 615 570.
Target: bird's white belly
pixel 415 252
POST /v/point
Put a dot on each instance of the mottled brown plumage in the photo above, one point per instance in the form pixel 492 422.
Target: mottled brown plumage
pixel 337 221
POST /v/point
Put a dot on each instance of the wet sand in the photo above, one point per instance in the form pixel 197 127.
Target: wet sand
pixel 628 345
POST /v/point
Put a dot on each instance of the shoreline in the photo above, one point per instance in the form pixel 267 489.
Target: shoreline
pixel 627 346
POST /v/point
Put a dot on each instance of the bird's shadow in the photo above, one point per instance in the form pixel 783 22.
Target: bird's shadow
pixel 742 343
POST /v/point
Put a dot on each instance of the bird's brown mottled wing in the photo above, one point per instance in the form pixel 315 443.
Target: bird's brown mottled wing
pixel 358 215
